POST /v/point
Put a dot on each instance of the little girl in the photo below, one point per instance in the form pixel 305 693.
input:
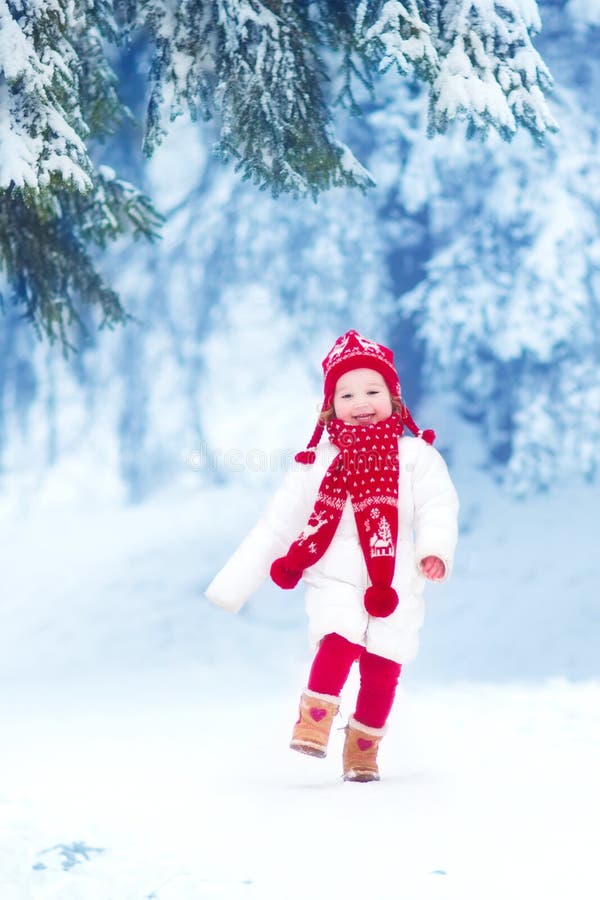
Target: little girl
pixel 364 520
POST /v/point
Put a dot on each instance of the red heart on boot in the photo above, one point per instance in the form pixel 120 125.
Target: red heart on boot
pixel 317 714
pixel 363 744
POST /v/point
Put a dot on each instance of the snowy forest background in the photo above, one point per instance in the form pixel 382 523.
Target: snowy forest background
pixel 131 467
pixel 477 261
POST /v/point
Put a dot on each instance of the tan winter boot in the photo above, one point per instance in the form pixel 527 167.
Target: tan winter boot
pixel 360 752
pixel 311 731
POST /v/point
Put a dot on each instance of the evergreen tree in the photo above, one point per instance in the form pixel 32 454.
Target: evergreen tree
pixel 477 57
pixel 259 66
pixel 264 69
pixel 237 268
pixel 57 94
pixel 508 309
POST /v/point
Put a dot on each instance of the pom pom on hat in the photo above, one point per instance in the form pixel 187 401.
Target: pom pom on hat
pixel 428 435
pixel 380 601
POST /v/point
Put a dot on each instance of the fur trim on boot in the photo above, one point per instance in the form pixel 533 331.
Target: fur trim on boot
pixel 311 731
pixel 360 751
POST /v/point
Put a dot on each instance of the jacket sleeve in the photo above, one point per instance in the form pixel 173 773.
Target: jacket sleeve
pixel 436 508
pixel 279 525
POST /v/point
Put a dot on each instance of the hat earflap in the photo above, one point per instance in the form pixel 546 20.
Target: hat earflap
pixel 428 435
pixel 308 456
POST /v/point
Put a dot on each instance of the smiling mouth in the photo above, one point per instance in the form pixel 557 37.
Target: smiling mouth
pixel 366 417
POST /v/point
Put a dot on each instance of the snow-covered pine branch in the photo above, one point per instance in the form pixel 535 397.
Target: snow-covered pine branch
pixel 490 73
pixel 275 119
pixel 42 131
pixel 395 34
pixel 183 64
pixel 255 66
pixel 260 68
pixel 476 55
pixel 44 247
pixel 57 94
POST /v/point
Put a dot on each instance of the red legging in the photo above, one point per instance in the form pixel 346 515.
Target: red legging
pixel 378 677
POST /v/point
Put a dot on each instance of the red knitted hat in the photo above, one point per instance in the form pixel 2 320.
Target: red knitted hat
pixel 352 351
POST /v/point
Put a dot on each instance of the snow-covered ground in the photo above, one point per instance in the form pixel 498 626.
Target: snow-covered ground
pixel 144 732
pixel 165 786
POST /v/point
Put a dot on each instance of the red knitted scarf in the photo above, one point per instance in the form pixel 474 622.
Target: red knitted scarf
pixel 367 469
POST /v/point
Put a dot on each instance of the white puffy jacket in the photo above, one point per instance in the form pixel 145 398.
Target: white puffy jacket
pixel 428 509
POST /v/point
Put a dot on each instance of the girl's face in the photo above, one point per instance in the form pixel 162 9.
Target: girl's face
pixel 362 397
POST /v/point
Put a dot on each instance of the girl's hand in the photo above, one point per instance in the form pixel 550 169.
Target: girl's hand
pixel 433 568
